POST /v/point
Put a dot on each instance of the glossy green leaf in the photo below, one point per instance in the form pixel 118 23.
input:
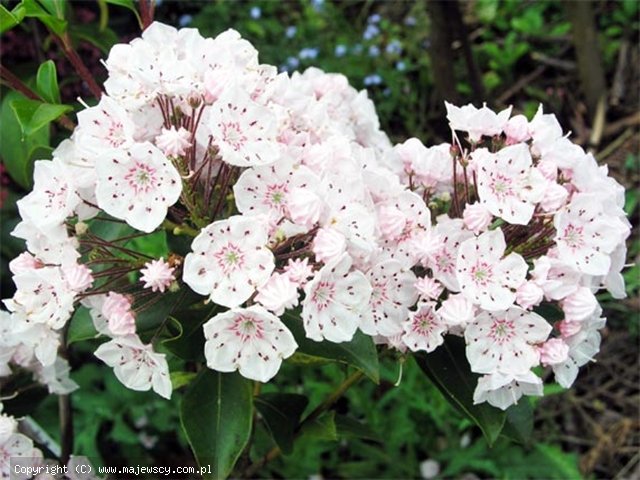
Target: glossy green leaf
pixel 181 379
pixel 103 39
pixel 81 326
pixel 16 149
pixel 9 19
pixel 447 367
pixel 519 423
pixel 33 115
pixel 348 427
pixel 281 413
pixel 55 7
pixel 33 9
pixel 126 4
pixel 190 345
pixel 563 463
pixel 216 415
pixel 360 352
pixel 322 428
pixel 47 82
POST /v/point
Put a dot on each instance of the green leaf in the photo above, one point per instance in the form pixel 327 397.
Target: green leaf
pixel 359 352
pixel 449 370
pixel 281 413
pixel 15 147
pixel 126 4
pixel 54 7
pixel 190 345
pixel 33 115
pixel 216 415
pixel 519 422
pixel 47 82
pixel 322 428
pixel 348 427
pixel 103 39
pixel 81 326
pixel 563 463
pixel 9 19
pixel 33 9
pixel 181 379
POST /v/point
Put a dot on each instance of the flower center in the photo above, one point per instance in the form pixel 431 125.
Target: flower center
pixel 481 274
pixel 233 135
pixel 230 258
pixel 573 237
pixel 502 331
pixel 141 177
pixel 322 295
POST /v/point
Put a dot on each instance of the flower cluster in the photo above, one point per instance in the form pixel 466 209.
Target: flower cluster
pixel 297 205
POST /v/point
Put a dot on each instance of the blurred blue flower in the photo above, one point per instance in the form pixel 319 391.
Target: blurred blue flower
pixel 373 79
pixel 357 49
pixel 394 47
pixel 290 32
pixel 374 51
pixel 317 4
pixel 370 32
pixel 340 50
pixel 185 20
pixel 308 53
pixel 293 62
pixel 375 18
pixel 401 66
pixel 410 21
pixel 255 12
pixel 386 92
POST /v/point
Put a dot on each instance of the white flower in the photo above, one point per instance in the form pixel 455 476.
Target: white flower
pixel 138 186
pixel 503 390
pixel 505 341
pixel 442 260
pixel 229 260
pixel 507 185
pixel 250 340
pixel 328 245
pixel 586 235
pixel 333 302
pixel 393 292
pixel 278 294
pixel 244 131
pixel 136 365
pixel 484 276
pixel 477 122
pixel 583 346
pixel 456 310
pixel 53 198
pixel 425 329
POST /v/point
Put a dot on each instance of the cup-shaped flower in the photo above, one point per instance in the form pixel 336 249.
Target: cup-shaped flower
pixel 485 277
pixel 250 340
pixel 138 185
pixel 505 341
pixel 230 260
pixel 334 300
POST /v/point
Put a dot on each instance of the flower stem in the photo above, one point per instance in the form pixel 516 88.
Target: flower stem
pixel 275 452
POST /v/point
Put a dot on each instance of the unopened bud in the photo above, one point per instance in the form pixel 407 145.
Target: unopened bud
pixel 81 228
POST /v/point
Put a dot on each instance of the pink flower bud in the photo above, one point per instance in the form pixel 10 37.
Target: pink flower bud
pixel 457 310
pixel 391 221
pixel 553 352
pixel 555 196
pixel 304 206
pixel 548 168
pixel 78 277
pixel 428 288
pixel 477 217
pixel 329 244
pixel 174 142
pixel 568 329
pixel 298 271
pixel 517 130
pixel 529 295
pixel 579 305
pixel 117 310
pixel 24 262
pixel 278 294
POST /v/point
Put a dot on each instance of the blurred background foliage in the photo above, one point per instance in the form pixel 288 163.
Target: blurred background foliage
pixel 409 56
